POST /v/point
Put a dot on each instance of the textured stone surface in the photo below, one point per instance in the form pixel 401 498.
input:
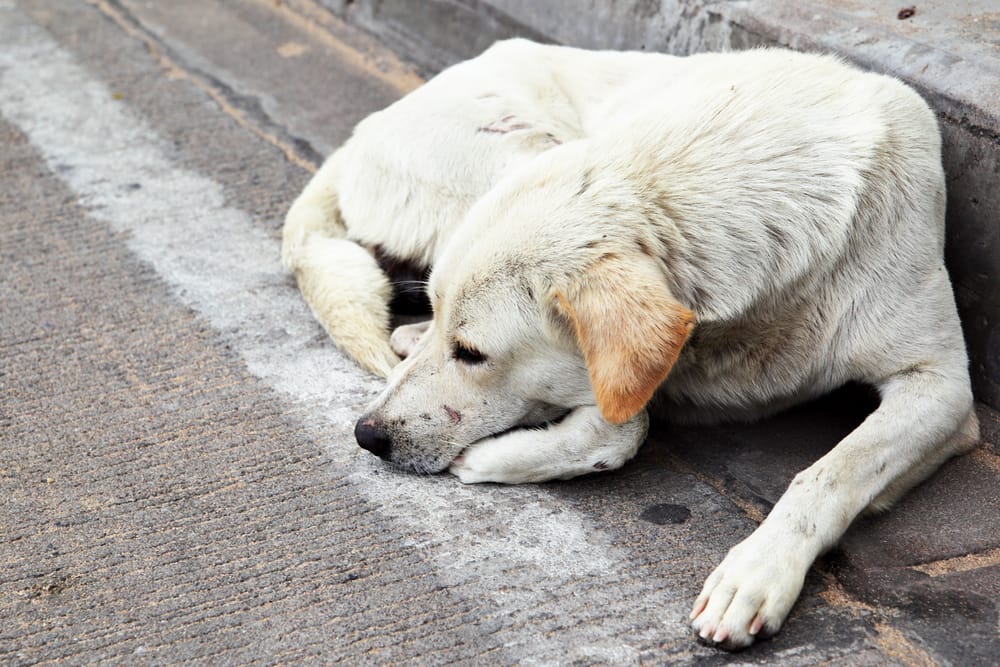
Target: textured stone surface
pixel 951 616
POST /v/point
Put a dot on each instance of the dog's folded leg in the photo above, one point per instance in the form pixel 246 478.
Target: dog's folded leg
pixel 340 280
pixel 349 295
pixel 924 418
pixel 583 442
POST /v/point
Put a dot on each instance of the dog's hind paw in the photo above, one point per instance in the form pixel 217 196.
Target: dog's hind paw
pixel 404 339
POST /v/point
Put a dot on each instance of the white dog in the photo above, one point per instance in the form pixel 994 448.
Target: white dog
pixel 728 233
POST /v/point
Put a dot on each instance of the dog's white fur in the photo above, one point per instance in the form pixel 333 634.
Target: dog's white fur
pixel 720 236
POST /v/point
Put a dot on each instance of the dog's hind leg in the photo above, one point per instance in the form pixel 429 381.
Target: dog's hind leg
pixel 925 416
pixel 583 442
pixel 315 211
pixel 340 280
pixel 349 295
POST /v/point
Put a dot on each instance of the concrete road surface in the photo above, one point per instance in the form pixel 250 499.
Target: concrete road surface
pixel 178 476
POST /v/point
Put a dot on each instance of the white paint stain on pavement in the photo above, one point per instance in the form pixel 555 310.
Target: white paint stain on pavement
pixel 227 268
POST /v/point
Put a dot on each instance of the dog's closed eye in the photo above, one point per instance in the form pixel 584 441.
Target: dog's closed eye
pixel 467 354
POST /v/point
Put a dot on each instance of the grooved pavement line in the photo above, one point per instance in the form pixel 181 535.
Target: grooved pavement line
pixel 227 269
pixel 307 162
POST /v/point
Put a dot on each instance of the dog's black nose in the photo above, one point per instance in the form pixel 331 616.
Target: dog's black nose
pixel 370 437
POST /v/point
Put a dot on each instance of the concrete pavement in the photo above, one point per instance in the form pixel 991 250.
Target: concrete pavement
pixel 178 475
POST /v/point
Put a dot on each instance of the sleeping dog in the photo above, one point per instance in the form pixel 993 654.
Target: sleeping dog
pixel 722 235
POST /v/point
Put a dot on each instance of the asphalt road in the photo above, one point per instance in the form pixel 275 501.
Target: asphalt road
pixel 178 475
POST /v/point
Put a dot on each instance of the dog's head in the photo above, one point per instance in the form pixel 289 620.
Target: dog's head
pixel 527 325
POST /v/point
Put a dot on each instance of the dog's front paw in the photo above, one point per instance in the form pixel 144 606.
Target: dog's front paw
pixel 468 474
pixel 580 444
pixel 482 462
pixel 749 594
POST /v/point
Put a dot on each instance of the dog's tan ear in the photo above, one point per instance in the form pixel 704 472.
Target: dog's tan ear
pixel 629 328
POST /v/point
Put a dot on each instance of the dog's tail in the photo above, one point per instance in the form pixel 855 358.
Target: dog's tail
pixel 340 280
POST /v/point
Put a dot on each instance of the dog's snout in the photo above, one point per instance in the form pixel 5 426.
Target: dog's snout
pixel 371 437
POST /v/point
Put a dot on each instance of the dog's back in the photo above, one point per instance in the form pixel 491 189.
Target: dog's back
pixel 796 203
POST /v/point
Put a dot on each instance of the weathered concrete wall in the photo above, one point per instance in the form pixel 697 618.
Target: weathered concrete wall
pixel 950 54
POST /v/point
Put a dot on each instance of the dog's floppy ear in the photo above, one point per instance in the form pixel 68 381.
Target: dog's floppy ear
pixel 629 328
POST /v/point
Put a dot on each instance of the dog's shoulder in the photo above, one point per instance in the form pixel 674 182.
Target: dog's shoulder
pixel 768 168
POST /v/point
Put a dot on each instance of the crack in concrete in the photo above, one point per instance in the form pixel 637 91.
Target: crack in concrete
pixel 744 505
pixel 296 150
pixel 888 638
pixel 894 644
pixel 958 564
pixel 986 457
pixel 319 22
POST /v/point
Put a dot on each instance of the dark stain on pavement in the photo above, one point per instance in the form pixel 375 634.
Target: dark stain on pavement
pixel 663 513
